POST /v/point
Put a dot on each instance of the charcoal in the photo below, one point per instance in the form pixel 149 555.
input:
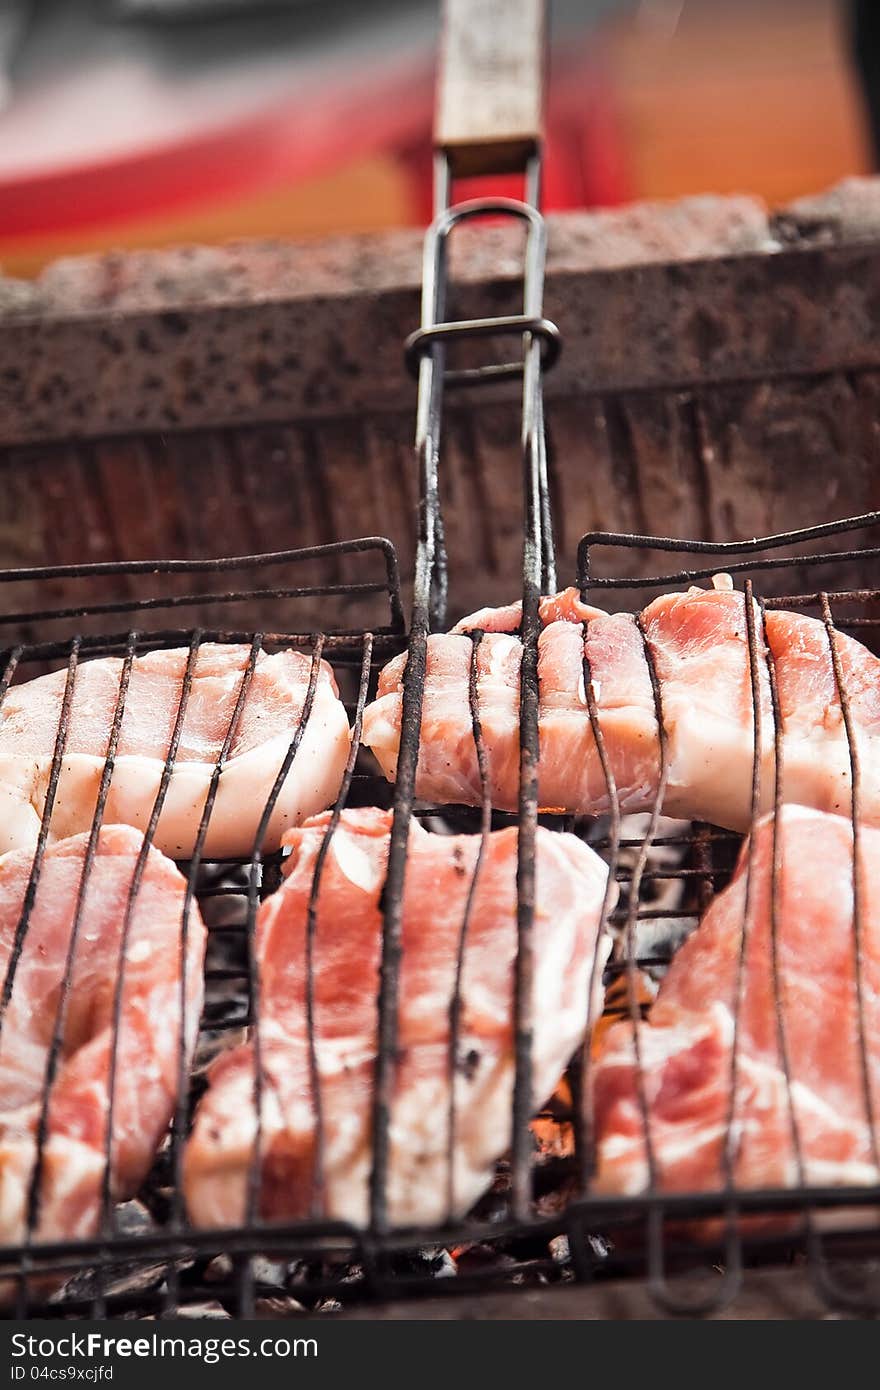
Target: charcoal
pixel 268 1308
pixel 129 1278
pixel 211 1309
pixel 132 1276
pixel 443 1266
pixel 559 1249
pixel 272 1272
pixel 219 1271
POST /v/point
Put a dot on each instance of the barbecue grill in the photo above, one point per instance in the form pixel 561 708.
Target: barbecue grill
pixel 541 1224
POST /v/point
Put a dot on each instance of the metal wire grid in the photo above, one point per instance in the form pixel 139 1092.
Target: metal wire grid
pixel 374 1261
pixel 381 1259
pixel 805 1198
pixel 353 650
pixel 27 625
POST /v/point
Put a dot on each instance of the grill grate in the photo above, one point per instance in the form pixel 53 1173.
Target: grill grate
pixel 541 1222
pixel 241 882
pixel 810 1197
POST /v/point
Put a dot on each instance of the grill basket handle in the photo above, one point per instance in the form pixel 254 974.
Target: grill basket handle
pixel 489 117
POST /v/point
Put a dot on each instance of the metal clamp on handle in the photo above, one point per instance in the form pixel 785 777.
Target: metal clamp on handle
pixel 420 342
pixel 489 98
pixel 488 121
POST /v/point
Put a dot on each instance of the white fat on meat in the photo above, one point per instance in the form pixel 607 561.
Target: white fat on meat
pixel 697 643
pixel 268 721
pixel 568 947
pixel 147 1044
pixel 685 1046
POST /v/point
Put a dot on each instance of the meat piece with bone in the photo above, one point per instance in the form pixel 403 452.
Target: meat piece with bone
pixel 685 1048
pixel 261 736
pixel 568 952
pixel 698 645
pixel 147 1043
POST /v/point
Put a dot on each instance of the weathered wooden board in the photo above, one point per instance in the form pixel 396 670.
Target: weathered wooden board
pixel 731 462
pixel 227 402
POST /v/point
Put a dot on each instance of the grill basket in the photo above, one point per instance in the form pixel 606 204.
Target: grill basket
pixel 541 1223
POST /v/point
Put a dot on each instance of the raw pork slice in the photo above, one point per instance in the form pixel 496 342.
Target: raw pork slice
pixel 699 647
pixel 571 882
pixel 148 1039
pixel 29 725
pixel 686 1044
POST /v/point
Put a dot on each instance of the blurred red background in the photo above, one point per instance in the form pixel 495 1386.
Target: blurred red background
pixel 141 137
